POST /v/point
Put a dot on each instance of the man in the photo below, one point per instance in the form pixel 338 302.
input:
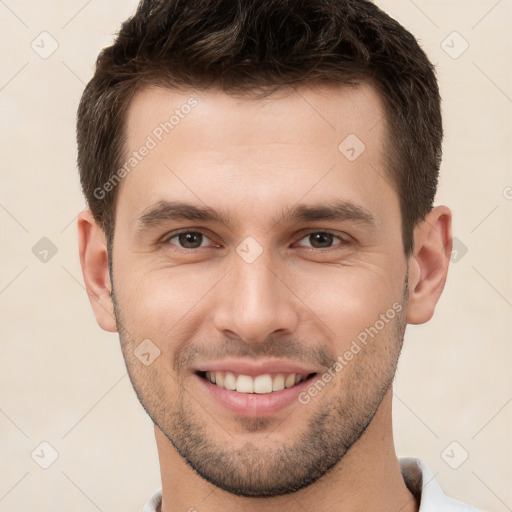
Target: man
pixel 261 177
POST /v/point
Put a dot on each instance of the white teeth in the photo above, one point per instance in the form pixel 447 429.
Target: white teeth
pixel 229 381
pixel 278 383
pixel 245 384
pixel 290 380
pixel 262 384
pixel 219 379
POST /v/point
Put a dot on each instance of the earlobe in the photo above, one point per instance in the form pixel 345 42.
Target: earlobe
pixel 94 262
pixel 428 265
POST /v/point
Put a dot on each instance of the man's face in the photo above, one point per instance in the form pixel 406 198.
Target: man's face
pixel 264 293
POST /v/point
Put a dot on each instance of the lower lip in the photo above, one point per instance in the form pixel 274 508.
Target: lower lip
pixel 254 405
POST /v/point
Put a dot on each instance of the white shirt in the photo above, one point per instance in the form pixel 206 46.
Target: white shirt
pixel 418 478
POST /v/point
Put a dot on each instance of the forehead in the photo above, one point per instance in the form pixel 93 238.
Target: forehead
pixel 252 152
pixel 298 114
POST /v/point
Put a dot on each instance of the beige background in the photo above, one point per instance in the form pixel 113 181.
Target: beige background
pixel 62 379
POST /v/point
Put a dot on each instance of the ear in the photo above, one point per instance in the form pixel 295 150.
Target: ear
pixel 428 265
pixel 94 261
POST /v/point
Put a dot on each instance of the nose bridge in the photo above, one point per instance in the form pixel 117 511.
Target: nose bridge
pixel 255 302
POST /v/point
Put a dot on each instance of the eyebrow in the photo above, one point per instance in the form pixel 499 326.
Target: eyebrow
pixel 343 210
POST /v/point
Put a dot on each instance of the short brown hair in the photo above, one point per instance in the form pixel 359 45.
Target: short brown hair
pixel 257 45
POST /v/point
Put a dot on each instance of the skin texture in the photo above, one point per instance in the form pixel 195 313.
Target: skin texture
pixel 253 159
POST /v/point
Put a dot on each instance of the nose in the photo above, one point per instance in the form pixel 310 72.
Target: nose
pixel 255 301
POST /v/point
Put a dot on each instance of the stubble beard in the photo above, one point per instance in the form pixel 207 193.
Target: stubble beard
pixel 280 466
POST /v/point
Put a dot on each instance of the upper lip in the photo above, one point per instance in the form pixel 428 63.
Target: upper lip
pixel 254 368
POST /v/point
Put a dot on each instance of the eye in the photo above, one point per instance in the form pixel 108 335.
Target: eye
pixel 196 240
pixel 187 239
pixel 323 239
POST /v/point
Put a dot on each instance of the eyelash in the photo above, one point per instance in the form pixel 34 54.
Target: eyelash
pixel 343 242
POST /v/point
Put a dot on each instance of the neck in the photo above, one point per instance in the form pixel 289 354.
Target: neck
pixel 367 478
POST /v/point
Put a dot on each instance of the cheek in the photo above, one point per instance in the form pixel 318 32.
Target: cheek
pixel 162 304
pixel 350 299
pixel 168 304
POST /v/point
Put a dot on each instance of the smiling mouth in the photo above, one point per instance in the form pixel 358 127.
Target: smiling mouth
pixel 261 384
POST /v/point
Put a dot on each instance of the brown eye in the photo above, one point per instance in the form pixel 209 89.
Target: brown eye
pixel 188 239
pixel 323 240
